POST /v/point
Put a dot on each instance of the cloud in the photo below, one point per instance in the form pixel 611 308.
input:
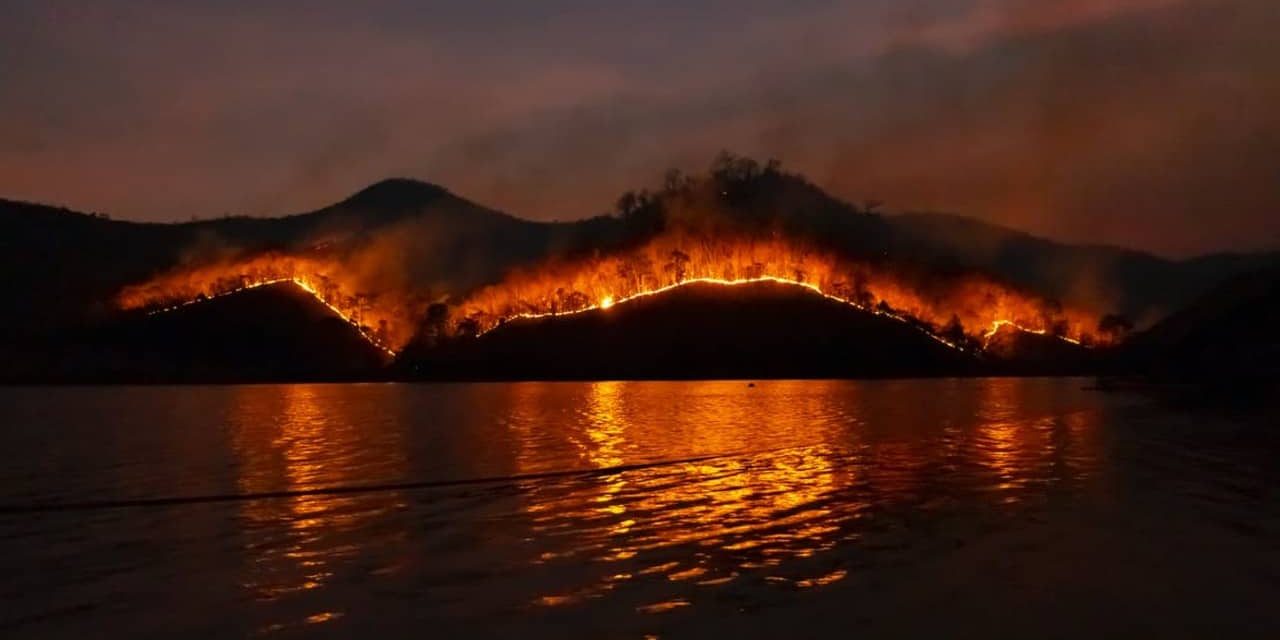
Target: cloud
pixel 1155 128
pixel 1082 119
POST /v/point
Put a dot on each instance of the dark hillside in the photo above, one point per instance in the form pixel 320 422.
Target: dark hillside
pixel 1228 334
pixel 1139 285
pixel 277 332
pixel 697 331
pixel 60 271
pixel 60 268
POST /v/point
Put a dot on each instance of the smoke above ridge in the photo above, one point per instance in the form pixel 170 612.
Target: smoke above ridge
pixel 1077 119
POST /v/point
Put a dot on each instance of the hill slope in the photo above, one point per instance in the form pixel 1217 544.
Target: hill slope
pixel 275 332
pixel 1141 286
pixel 1227 334
pixel 60 268
pixel 697 331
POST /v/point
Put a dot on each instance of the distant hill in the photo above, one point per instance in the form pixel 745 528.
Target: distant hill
pixel 1227 334
pixel 60 269
pixel 1139 285
pixel 59 266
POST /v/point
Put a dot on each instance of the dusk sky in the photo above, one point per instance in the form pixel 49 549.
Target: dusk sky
pixel 1152 124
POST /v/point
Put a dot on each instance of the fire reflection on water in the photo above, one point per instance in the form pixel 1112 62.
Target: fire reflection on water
pixel 293 439
pixel 785 487
pixel 806 474
pixel 732 513
pixel 963 502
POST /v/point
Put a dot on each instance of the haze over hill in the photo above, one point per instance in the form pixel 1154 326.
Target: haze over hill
pixel 1077 119
pixel 64 269
pixel 1227 334
pixel 1141 285
pixel 65 263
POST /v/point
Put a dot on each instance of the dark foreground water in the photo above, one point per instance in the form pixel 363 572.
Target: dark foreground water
pixel 959 508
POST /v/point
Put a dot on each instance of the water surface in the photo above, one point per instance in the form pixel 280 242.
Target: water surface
pixel 1002 507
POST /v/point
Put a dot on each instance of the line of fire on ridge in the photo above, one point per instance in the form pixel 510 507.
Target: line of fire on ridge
pixel 609 301
pixel 999 324
pixel 301 284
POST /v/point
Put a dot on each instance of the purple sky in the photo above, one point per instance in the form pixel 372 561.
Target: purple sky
pixel 1146 123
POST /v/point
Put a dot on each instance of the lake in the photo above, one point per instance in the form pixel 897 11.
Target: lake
pixel 960 508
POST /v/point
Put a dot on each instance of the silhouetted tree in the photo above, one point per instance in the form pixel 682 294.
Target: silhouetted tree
pixel 677 264
pixel 437 321
pixel 575 300
pixel 468 328
pixel 326 287
pixel 1051 317
pixel 732 169
pixel 627 272
pixel 674 182
pixel 364 304
pixel 643 267
pixel 628 203
pixel 1115 326
pixel 861 293
pixel 953 332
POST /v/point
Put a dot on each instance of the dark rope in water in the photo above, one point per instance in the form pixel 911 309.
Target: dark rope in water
pixel 88 505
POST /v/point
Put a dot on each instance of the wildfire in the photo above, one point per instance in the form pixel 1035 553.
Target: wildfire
pixel 379 319
pixel 962 311
pixel 608 301
pixel 1000 324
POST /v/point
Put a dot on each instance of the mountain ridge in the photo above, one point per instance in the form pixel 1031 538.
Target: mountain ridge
pixel 62 269
pixel 1141 285
pixel 1145 286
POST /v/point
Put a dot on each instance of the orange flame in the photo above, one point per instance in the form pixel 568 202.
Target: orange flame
pixel 980 306
pixel 961 311
pixel 383 319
